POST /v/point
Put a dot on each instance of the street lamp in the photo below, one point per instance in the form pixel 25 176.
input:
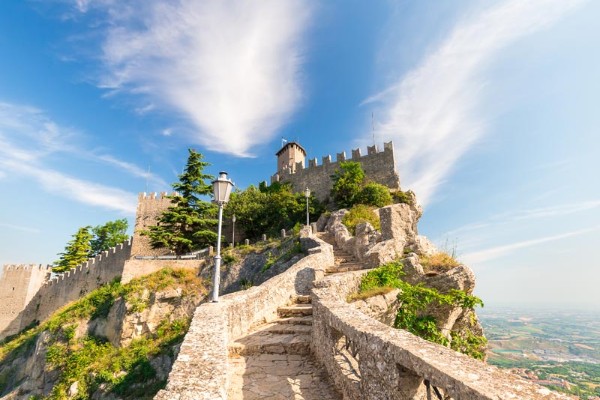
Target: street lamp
pixel 233 231
pixel 307 194
pixel 221 189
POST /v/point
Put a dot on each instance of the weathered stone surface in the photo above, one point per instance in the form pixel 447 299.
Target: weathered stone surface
pixel 381 307
pixel 382 358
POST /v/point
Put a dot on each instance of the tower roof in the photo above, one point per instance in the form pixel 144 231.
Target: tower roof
pixel 289 144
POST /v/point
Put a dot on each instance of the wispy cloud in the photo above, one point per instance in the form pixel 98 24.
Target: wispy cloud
pixel 481 256
pixel 431 113
pixel 519 216
pixel 29 137
pixel 133 170
pixel 231 68
pixel 19 228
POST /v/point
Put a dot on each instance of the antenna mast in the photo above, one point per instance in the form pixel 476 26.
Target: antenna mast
pixel 373 126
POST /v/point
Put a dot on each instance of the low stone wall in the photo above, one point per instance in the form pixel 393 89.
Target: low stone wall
pixel 369 360
pixel 200 371
pixel 135 268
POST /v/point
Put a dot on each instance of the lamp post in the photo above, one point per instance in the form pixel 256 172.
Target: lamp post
pixel 221 189
pixel 233 230
pixel 307 194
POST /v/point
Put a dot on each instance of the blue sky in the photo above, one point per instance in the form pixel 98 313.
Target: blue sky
pixel 492 107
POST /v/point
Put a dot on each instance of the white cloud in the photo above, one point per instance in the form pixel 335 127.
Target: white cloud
pixel 229 67
pixel 431 113
pixel 28 137
pixel 481 256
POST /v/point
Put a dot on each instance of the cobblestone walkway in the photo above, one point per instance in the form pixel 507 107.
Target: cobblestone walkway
pixel 274 361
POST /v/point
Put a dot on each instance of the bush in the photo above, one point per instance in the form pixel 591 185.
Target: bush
pixel 385 276
pixel 374 194
pixel 439 261
pixel 347 183
pixel 360 213
pixel 403 197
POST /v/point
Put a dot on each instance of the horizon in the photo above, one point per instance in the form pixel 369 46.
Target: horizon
pixel 491 107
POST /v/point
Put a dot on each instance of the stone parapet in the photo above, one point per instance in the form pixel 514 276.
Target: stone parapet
pixel 370 360
pixel 200 371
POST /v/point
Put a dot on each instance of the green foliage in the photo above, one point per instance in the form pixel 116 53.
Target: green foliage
pixel 285 257
pixel 374 194
pixel 77 251
pixel 387 275
pixel 92 361
pixel 416 299
pixel 360 213
pixel 347 182
pixel 189 223
pixel 403 197
pixel 246 283
pixel 267 210
pixel 108 235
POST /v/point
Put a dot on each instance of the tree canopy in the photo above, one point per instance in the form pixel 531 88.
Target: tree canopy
pixel 347 183
pixel 268 209
pixel 108 235
pixel 189 223
pixel 76 252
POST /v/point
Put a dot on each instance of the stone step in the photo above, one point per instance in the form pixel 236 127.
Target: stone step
pixel 296 320
pixel 283 329
pixel 271 344
pixel 344 268
pixel 302 299
pixel 295 310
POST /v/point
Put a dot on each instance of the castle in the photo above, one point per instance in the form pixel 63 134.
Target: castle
pixel 31 293
pixel 359 356
pixel 379 167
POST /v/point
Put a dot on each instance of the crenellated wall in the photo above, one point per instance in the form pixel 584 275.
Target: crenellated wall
pixel 150 207
pixel 18 285
pixel 62 289
pixel 379 166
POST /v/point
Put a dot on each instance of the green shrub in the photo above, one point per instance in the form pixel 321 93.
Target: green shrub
pixel 347 182
pixel 360 213
pixel 374 194
pixel 415 300
pixel 387 275
pixel 403 197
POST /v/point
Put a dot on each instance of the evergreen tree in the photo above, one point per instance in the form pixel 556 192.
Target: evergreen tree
pixel 108 235
pixel 76 252
pixel 189 223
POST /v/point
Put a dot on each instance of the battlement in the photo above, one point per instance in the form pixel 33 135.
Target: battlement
pixel 155 196
pixel 379 166
pixel 26 267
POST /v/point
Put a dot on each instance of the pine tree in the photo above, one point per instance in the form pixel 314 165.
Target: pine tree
pixel 189 223
pixel 76 252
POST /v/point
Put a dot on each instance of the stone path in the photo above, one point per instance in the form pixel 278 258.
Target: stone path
pixel 274 362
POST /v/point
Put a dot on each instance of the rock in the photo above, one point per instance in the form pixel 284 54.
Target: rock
pixel 322 222
pixel 73 389
pixel 399 222
pixel 413 270
pixel 460 278
pixel 423 246
pixel 381 307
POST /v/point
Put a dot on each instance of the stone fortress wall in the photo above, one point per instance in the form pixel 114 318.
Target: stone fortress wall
pixel 18 285
pixel 40 295
pixel 379 166
pixel 150 207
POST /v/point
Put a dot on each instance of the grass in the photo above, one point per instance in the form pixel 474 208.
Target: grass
pixel 438 262
pixel 272 260
pixel 93 361
pixel 366 294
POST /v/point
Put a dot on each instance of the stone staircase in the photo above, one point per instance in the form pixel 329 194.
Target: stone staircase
pixel 344 261
pixel 274 360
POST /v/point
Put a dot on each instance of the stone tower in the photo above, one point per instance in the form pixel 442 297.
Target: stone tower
pixel 288 157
